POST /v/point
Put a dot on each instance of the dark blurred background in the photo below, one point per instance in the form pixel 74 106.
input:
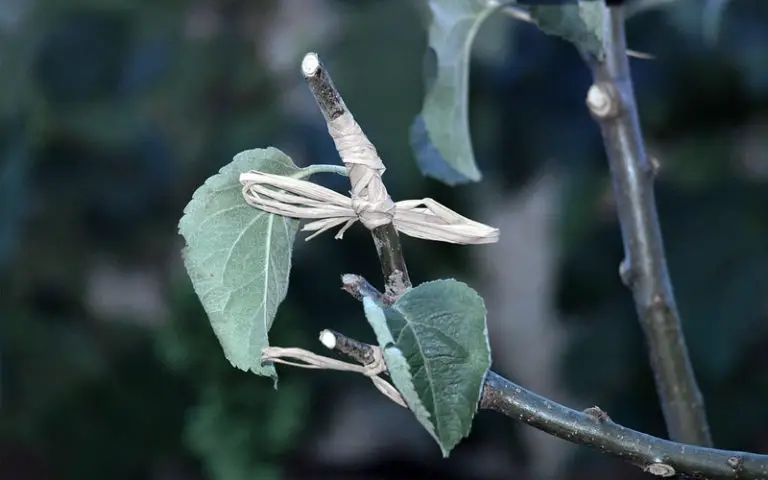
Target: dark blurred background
pixel 112 112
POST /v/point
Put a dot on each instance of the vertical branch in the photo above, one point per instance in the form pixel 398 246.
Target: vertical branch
pixel 385 237
pixel 644 269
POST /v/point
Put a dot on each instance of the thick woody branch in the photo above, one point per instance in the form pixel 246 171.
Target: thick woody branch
pixel 611 101
pixel 591 428
pixel 385 237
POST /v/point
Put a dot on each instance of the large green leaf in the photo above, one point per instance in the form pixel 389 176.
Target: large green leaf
pixel 440 134
pixel 435 345
pixel 581 23
pixel 239 258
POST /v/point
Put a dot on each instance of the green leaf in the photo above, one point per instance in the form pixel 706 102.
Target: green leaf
pixel 580 23
pixel 440 135
pixel 397 365
pixel 435 345
pixel 239 257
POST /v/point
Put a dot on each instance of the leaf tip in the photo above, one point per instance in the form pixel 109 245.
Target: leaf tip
pixel 444 450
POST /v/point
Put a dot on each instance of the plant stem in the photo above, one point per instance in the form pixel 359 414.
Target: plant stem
pixel 644 270
pixel 385 237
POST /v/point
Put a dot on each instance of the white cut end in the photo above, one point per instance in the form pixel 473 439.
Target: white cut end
pixel 349 279
pixel 328 339
pixel 310 64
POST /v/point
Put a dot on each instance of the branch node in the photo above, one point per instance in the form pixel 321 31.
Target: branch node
pixel 653 166
pixel 660 470
pixel 598 414
pixel 735 462
pixel 627 273
pixel 604 100
pixel 658 302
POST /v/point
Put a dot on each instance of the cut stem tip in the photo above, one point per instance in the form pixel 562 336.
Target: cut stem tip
pixel 310 64
pixel 328 339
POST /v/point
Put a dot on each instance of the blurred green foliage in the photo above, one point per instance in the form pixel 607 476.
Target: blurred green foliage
pixel 240 427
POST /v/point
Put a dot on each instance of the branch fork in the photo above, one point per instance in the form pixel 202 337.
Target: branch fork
pixel 369 203
pixel 592 428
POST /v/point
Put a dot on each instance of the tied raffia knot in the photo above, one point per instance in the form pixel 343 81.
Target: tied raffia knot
pixel 374 214
pixel 298 357
pixel 370 203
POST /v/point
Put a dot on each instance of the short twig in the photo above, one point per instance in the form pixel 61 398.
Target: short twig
pixel 644 270
pixel 357 351
pixel 359 287
pixel 369 361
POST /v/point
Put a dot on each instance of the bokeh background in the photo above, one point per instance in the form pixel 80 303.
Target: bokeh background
pixel 112 112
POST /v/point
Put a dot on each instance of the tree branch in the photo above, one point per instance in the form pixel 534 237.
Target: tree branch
pixel 594 430
pixel 385 237
pixel 591 428
pixel 644 270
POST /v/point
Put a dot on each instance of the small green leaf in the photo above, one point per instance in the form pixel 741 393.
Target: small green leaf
pixel 581 23
pixel 397 365
pixel 440 135
pixel 435 345
pixel 239 257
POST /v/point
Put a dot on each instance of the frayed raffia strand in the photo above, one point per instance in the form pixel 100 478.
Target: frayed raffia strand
pixel 425 218
pixel 298 357
pixel 369 202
